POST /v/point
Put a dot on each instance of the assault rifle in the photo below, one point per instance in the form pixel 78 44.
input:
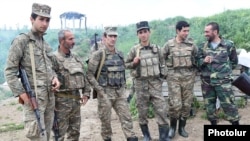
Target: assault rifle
pixel 31 95
pixel 96 45
pixel 55 127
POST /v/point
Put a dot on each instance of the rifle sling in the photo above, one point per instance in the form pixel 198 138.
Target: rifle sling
pixel 101 65
pixel 32 58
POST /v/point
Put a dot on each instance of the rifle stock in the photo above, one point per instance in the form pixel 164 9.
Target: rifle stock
pixel 96 45
pixel 55 127
pixel 31 95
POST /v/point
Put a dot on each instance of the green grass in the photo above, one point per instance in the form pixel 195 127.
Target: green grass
pixel 11 127
pixel 134 111
pixel 197 105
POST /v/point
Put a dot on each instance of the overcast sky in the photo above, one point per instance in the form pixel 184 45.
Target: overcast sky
pixel 101 13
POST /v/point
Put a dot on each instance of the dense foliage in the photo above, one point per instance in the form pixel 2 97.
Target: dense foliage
pixel 235 25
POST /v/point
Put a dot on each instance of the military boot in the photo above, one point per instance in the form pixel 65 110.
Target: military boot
pixel 235 122
pixel 163 133
pixel 145 132
pixel 132 139
pixel 213 122
pixel 173 122
pixel 182 124
pixel 109 139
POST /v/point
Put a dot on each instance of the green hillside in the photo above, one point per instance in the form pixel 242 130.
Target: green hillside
pixel 234 25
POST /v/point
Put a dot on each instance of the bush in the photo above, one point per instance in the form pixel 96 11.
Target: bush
pixel 134 111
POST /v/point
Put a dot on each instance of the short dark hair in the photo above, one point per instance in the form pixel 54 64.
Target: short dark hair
pixel 105 34
pixel 34 16
pixel 181 24
pixel 215 26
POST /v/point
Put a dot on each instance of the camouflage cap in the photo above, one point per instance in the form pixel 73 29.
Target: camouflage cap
pixel 142 25
pixel 111 30
pixel 41 9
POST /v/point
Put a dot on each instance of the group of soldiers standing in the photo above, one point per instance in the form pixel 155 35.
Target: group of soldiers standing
pixel 176 62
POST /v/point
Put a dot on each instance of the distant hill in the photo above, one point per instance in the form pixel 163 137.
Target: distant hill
pixel 234 25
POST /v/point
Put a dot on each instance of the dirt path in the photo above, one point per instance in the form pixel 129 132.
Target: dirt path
pixel 90 130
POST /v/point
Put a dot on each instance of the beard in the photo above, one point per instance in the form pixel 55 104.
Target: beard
pixel 210 38
pixel 68 46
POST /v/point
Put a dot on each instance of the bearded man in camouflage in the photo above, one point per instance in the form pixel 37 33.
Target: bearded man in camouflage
pixel 144 62
pixel 216 59
pixel 46 80
pixel 179 53
pixel 110 86
pixel 70 72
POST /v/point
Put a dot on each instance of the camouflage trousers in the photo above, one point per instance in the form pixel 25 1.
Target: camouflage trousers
pixel 114 98
pixel 180 94
pixel 149 90
pixel 225 95
pixel 68 110
pixel 46 110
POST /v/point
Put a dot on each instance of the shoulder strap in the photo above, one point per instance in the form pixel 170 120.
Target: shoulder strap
pixel 32 58
pixel 138 47
pixel 101 64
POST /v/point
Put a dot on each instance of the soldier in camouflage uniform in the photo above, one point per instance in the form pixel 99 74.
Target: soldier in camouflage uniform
pixel 216 59
pixel 144 62
pixel 179 53
pixel 46 80
pixel 70 72
pixel 110 86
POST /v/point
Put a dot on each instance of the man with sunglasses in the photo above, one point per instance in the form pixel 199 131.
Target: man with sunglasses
pixel 110 86
pixel 144 62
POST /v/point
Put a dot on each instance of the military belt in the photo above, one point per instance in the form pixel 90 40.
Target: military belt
pixel 67 95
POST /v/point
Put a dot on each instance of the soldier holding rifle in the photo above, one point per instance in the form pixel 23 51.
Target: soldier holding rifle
pixel 34 54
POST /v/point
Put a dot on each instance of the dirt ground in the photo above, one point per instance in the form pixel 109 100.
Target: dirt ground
pixel 10 113
pixel 90 127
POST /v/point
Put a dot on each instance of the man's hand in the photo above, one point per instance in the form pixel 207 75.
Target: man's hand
pixel 23 98
pixel 208 59
pixel 84 100
pixel 55 84
pixel 136 60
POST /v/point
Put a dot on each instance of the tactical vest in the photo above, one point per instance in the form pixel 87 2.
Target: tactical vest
pixel 180 56
pixel 70 73
pixel 149 62
pixel 113 71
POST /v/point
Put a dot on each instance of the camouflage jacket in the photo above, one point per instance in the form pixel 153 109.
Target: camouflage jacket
pixel 224 60
pixel 180 55
pixel 153 58
pixel 100 45
pixel 19 53
pixel 93 48
pixel 70 72
pixel 93 67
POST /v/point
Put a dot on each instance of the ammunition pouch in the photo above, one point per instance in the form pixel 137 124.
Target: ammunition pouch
pixel 243 83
